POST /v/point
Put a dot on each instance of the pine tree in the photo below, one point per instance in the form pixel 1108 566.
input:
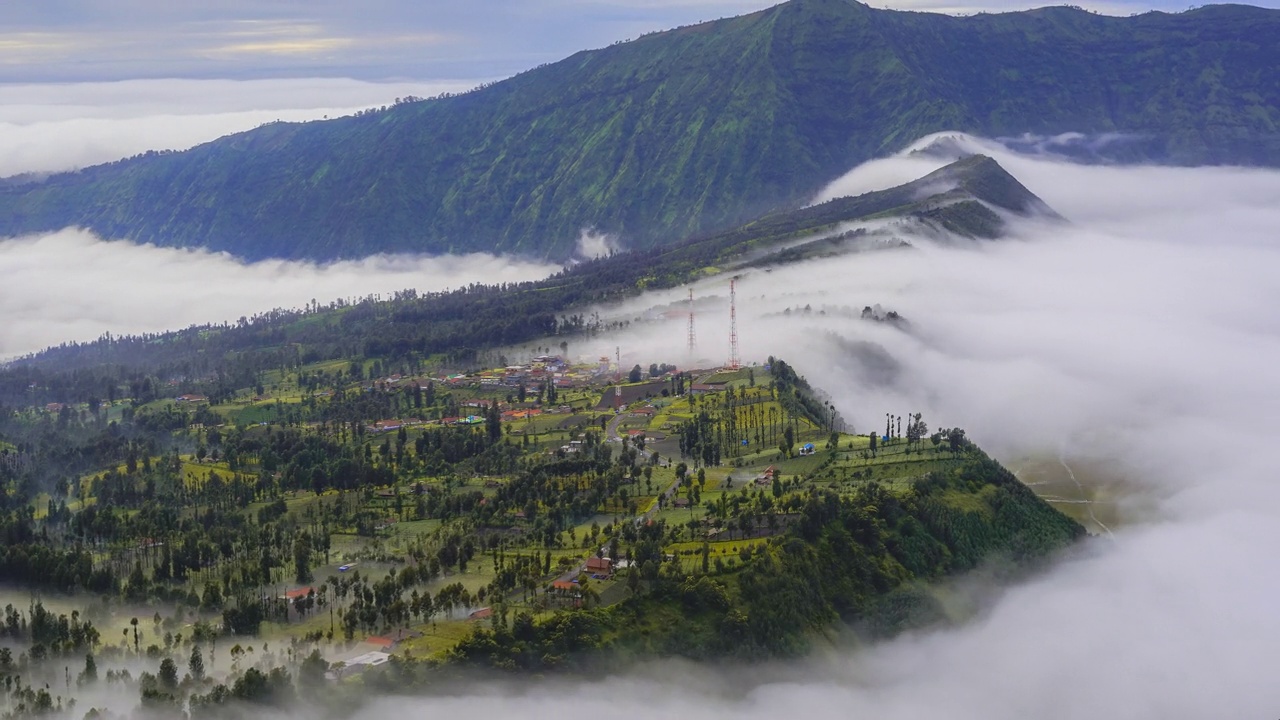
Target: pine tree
pixel 195 666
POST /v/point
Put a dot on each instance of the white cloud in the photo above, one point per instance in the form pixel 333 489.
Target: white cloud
pixel 71 285
pixel 45 128
pixel 1140 341
pixel 595 244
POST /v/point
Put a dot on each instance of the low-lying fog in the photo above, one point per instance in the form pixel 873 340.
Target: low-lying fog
pixel 1143 339
pixel 71 285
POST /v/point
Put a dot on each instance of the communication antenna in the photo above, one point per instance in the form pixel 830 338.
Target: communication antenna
pixel 692 340
pixel 735 361
pixel 617 380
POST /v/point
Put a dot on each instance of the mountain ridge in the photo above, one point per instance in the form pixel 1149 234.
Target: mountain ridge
pixel 479 317
pixel 686 131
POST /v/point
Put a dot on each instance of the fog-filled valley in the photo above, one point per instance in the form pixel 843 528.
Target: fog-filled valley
pixel 73 286
pixel 1120 360
pixel 1138 338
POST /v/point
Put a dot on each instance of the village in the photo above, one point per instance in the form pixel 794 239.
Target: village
pixel 709 463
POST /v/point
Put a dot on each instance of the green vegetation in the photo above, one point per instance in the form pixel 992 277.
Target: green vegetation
pixel 688 131
pixel 285 494
pixel 449 525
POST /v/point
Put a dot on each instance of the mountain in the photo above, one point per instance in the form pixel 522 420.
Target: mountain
pixel 687 131
pixel 970 197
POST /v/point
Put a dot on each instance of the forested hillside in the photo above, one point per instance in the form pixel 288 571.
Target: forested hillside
pixel 687 131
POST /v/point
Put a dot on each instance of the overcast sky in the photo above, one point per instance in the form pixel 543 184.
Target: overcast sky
pixel 58 40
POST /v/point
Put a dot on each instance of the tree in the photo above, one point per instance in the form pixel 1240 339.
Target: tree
pixel 90 674
pixel 195 665
pixel 916 429
pixel 302 558
pixel 635 374
pixel 168 674
pixel 493 422
pixel 313 668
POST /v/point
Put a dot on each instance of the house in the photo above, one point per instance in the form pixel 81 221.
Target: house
pixel 358 664
pixel 382 641
pixel 681 502
pixel 191 398
pixel 298 593
pixel 565 586
pixel 396 637
pixel 481 614
pixel 808 449
pixel 599 566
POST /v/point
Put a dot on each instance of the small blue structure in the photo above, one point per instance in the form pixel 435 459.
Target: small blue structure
pixel 808 449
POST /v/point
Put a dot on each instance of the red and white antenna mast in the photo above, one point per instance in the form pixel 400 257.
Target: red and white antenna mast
pixel 692 340
pixel 617 380
pixel 734 361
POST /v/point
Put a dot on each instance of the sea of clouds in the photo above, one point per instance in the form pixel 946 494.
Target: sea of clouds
pixel 1141 338
pixel 73 286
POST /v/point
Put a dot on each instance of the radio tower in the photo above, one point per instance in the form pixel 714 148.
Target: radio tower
pixel 734 361
pixel 692 341
pixel 617 381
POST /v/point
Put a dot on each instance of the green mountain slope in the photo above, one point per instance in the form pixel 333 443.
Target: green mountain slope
pixel 687 131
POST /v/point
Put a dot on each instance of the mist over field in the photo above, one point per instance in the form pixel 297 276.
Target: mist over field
pixel 65 126
pixel 72 285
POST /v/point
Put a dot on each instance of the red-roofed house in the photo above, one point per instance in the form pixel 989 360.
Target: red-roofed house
pixel 599 566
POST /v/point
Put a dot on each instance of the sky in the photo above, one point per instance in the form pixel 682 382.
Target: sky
pixel 437 40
